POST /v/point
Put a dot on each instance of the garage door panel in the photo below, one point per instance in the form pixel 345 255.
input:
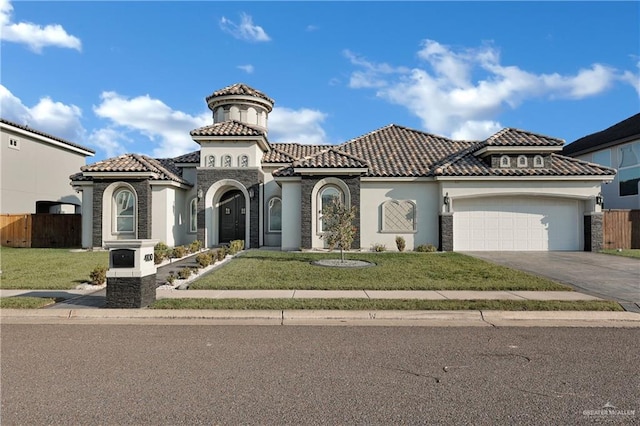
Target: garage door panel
pixel 517 223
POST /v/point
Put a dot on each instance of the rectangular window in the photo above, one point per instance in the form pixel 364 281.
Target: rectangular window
pixel 629 169
pixel 602 157
pixel 14 144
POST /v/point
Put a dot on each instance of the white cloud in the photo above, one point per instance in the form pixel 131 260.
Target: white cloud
pixel 47 116
pixel 167 129
pixel 111 141
pixel 245 30
pixel 632 78
pixel 246 68
pixel 33 35
pixel 460 92
pixel 301 126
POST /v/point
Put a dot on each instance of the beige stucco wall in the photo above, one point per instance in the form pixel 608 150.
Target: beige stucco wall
pixel 38 171
pixel 233 148
pixel 291 215
pixel 271 189
pixel 423 194
pixel 585 190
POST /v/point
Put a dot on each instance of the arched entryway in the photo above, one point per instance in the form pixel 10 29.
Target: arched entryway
pixel 232 216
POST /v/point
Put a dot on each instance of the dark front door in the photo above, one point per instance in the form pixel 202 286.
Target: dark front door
pixel 232 213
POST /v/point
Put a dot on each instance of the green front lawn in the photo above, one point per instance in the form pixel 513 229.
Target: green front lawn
pixel 635 253
pixel 36 268
pixel 387 304
pixel 263 269
pixel 21 302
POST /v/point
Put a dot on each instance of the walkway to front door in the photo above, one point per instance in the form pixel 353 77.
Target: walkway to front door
pixel 232 214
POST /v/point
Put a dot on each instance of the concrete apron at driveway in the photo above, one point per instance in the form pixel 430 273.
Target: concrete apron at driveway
pixel 602 275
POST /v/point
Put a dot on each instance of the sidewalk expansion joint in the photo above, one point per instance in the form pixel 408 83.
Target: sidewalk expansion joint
pixel 366 294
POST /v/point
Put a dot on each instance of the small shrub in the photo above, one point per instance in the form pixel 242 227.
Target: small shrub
pixel 222 253
pixel 426 248
pixel 378 248
pixel 235 246
pixel 204 259
pixel 400 243
pixel 195 246
pixel 178 252
pixel 185 273
pixel 160 252
pixel 98 275
pixel 171 278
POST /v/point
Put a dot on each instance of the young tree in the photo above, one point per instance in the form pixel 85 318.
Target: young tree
pixel 337 225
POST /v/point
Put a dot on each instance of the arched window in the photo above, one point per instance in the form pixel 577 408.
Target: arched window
pixel 538 161
pixel 398 216
pixel 226 161
pixel 275 215
pixel 243 161
pixel 211 161
pixel 124 211
pixel 522 161
pixel 326 196
pixel 193 215
pixel 505 161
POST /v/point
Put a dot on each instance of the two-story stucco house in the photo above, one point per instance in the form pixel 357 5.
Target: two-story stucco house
pixel 512 191
pixel 34 171
pixel 617 146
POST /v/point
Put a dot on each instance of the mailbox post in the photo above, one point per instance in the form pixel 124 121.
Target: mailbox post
pixel 131 278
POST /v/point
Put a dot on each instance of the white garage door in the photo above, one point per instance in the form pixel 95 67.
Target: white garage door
pixel 517 223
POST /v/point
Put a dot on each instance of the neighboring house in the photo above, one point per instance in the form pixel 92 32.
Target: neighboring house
pixel 512 191
pixel 619 147
pixel 35 168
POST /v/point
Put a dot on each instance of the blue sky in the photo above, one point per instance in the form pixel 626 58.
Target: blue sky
pixel 132 76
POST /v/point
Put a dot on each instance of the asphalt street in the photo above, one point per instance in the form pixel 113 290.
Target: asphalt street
pixel 199 374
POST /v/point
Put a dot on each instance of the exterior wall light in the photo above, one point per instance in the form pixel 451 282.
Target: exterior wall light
pixel 599 200
pixel 251 193
pixel 446 200
pixel 200 194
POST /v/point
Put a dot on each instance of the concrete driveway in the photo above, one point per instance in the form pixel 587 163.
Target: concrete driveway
pixel 602 275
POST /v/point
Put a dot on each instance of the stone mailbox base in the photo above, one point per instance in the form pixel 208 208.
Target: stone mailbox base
pixel 131 292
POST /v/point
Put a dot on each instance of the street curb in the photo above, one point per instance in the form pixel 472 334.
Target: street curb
pixel 318 317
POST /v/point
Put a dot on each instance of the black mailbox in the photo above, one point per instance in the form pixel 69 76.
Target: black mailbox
pixel 123 258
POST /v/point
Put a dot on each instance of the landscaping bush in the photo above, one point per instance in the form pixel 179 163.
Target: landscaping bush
pixel 426 248
pixel 178 252
pixel 185 273
pixel 378 248
pixel 99 275
pixel 160 252
pixel 171 278
pixel 195 246
pixel 221 253
pixel 400 243
pixel 235 246
pixel 204 259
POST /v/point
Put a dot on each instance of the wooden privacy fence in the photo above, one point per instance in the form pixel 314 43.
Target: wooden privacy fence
pixel 41 230
pixel 622 229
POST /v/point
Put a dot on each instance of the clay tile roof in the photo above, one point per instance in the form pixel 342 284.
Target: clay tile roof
pixel 397 151
pixel 227 128
pixel 191 157
pixel 46 135
pixel 469 165
pixel 621 131
pixel 289 152
pixel 239 89
pixel 517 137
pixel 330 158
pixel 163 169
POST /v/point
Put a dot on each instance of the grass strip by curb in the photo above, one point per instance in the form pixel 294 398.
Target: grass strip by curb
pixel 387 304
pixel 21 302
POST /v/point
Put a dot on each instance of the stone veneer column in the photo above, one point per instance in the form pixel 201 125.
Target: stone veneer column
pixel 445 232
pixel 251 178
pixel 593 231
pixel 307 215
